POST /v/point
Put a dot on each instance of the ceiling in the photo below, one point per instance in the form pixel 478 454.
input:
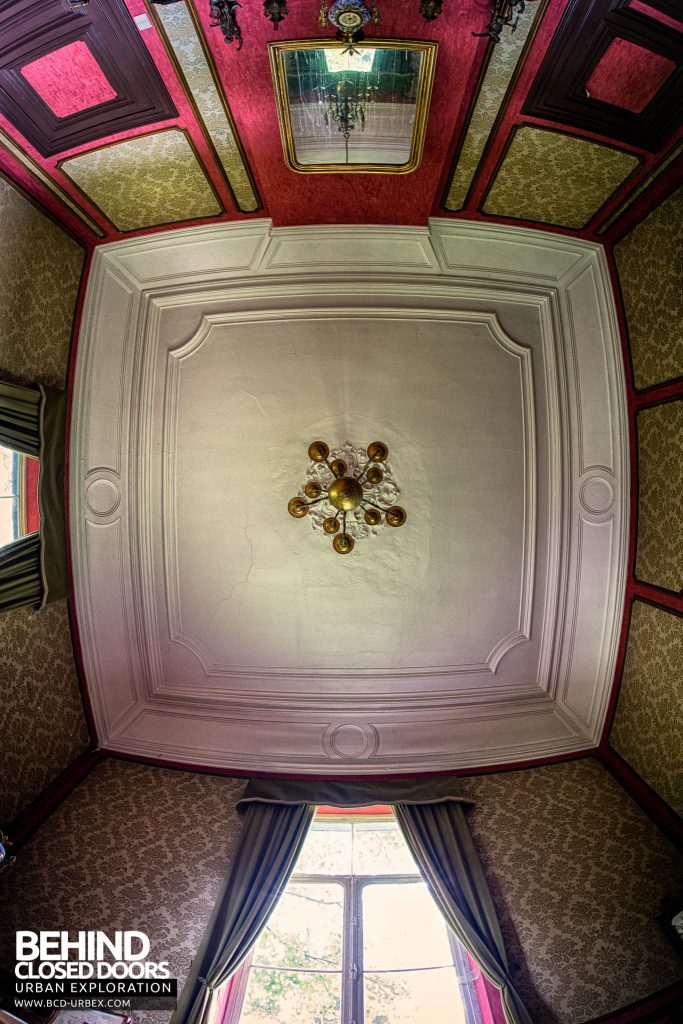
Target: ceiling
pixel 485 630
pixel 218 630
pixel 130 117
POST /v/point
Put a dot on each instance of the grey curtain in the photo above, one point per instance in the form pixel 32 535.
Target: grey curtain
pixel 439 839
pixel 20 419
pixel 431 816
pixel 20 581
pixel 271 839
pixel 33 569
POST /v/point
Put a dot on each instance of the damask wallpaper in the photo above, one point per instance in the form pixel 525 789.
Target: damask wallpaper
pixel 134 847
pixel 40 269
pixel 647 725
pixel 649 261
pixel 42 727
pixel 659 555
pixel 150 179
pixel 577 872
pixel 532 182
pixel 575 868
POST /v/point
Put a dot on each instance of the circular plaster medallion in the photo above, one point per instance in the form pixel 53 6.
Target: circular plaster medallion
pixel 350 741
pixel 102 497
pixel 596 495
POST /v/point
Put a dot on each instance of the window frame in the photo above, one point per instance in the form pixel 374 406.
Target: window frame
pixel 352 999
pixel 19 512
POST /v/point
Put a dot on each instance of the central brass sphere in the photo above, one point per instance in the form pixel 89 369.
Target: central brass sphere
pixel 345 494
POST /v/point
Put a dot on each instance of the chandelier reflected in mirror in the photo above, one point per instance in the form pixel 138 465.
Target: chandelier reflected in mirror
pixel 349 493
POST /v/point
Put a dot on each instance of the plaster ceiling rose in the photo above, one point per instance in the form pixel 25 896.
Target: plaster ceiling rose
pixel 349 493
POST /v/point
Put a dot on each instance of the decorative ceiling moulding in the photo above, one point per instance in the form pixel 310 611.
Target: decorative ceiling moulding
pixel 183 36
pixel 559 92
pixel 31 29
pixel 38 174
pixel 531 181
pixel 150 180
pixel 497 79
pixel 210 623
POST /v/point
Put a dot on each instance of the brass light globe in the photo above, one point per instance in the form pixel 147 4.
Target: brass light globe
pixel 347 492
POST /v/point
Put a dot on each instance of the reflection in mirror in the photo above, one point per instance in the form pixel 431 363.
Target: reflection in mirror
pixel 353 108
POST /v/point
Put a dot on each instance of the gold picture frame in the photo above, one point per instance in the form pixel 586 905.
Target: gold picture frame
pixel 278 53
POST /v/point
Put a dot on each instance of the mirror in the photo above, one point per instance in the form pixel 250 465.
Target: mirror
pixel 353 108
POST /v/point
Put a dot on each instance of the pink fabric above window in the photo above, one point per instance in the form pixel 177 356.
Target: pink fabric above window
pixel 69 80
pixel 32 515
pixel 628 76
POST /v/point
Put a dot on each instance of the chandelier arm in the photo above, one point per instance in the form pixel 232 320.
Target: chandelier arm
pixel 378 507
pixel 366 467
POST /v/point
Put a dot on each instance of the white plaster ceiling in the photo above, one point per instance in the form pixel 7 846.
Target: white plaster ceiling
pixel 218 630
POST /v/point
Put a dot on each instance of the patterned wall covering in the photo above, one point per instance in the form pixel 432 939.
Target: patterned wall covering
pixel 647 725
pixel 649 261
pixel 659 557
pixel 502 66
pixel 534 182
pixel 36 303
pixel 151 179
pixel 42 728
pixel 187 47
pixel 133 847
pixel 577 873
pixel 560 844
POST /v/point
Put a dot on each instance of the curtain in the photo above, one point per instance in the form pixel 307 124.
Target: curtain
pixel 431 816
pixel 439 839
pixel 33 569
pixel 20 419
pixel 271 839
pixel 20 582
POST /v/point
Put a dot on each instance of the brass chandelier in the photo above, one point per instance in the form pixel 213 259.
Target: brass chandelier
pixel 345 493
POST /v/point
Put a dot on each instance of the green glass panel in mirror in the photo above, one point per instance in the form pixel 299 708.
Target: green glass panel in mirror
pixel 352 106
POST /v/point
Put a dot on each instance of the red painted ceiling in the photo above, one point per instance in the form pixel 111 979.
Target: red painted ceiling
pixel 290 198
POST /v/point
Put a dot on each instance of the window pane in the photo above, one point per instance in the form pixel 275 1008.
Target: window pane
pixel 305 930
pixel 327 850
pixel 380 849
pixel 9 489
pixel 281 997
pixel 414 997
pixel 402 927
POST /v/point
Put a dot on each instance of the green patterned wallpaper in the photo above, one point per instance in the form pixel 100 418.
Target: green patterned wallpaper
pixel 186 44
pixel 42 727
pixel 650 264
pixel 554 178
pixel 147 180
pixel 576 872
pixel 504 61
pixel 647 725
pixel 659 555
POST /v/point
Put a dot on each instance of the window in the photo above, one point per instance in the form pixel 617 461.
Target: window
pixel 356 939
pixel 18 495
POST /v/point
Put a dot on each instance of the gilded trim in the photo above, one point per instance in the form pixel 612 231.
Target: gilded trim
pixel 246 205
pixel 38 174
pixel 276 53
pixel 133 138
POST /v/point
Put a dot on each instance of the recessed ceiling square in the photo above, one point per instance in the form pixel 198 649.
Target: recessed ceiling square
pixel 69 79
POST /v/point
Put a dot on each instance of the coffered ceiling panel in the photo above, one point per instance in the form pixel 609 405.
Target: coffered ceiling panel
pixel 218 629
pixel 556 179
pixel 122 88
pixel 639 103
pixel 147 180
